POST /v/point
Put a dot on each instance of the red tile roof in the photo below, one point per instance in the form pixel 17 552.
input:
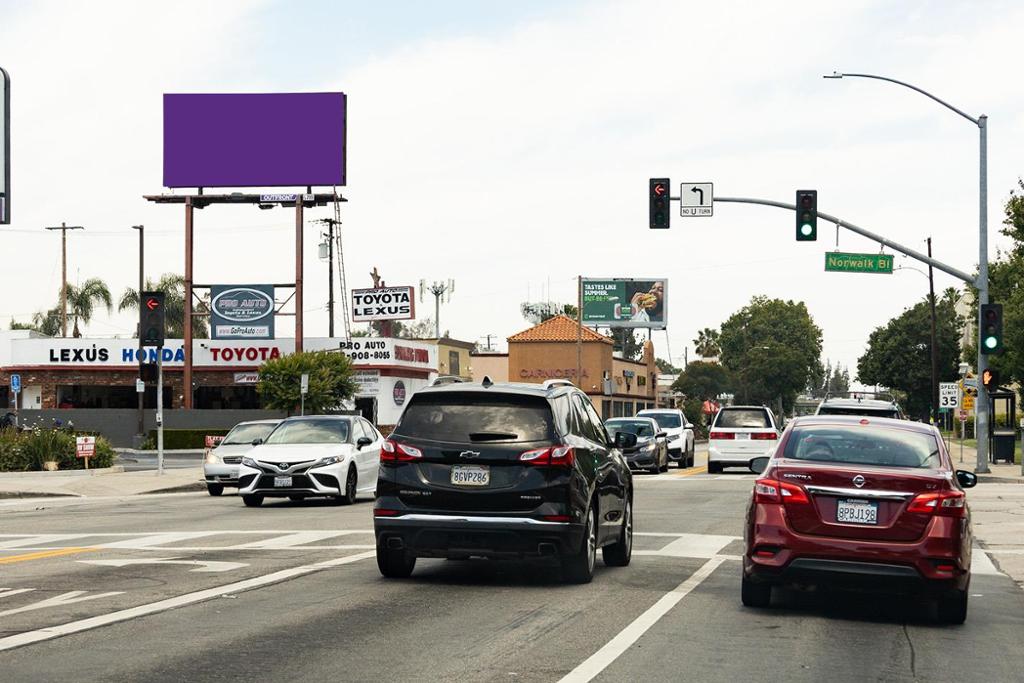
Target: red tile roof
pixel 561 328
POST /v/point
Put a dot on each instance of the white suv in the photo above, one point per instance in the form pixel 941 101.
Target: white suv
pixel 740 434
pixel 679 431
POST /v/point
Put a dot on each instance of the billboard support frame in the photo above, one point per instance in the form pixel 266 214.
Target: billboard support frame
pixel 5 159
pixel 201 201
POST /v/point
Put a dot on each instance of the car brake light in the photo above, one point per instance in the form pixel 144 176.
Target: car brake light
pixel 384 512
pixel 721 435
pixel 774 491
pixel 764 436
pixel 556 456
pixel 557 518
pixel 946 503
pixel 393 451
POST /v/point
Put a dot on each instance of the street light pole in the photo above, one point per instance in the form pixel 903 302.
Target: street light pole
pixel 981 283
pixel 935 346
pixel 142 355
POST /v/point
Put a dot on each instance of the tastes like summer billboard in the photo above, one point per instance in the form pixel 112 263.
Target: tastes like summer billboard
pixel 625 302
pixel 242 312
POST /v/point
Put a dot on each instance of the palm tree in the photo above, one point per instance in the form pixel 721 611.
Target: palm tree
pixel 82 300
pixel 707 343
pixel 173 287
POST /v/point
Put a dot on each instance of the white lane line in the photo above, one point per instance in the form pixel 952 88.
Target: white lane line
pixel 600 660
pixel 50 632
pixel 69 598
pixel 290 540
pixel 38 539
pixel 160 539
pixel 981 564
pixel 696 545
pixel 8 592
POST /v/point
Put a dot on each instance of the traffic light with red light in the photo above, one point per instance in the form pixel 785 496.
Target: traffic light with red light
pixel 152 321
pixel 990 380
pixel 991 328
pixel 658 196
pixel 806 215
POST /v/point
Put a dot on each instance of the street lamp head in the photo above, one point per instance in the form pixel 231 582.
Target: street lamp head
pixel 835 74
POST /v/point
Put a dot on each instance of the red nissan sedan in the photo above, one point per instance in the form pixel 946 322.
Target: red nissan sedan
pixel 860 503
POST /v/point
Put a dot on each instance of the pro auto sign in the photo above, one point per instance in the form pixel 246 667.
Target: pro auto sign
pixel 242 312
pixel 383 303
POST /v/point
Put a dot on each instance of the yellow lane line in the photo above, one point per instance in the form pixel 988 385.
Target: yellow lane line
pixel 701 469
pixel 43 554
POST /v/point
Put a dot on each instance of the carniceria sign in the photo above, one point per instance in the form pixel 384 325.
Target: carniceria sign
pixel 242 312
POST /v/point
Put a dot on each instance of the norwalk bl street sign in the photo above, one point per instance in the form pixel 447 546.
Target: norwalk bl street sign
pixel 843 262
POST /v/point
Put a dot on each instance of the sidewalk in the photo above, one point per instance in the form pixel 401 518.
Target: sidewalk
pixel 111 481
pixel 1001 473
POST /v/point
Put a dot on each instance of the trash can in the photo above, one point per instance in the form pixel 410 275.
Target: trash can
pixel 1003 426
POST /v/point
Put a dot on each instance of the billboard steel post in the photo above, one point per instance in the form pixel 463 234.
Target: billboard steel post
pixel 5 147
pixel 187 370
pixel 142 354
pixel 160 410
pixel 298 274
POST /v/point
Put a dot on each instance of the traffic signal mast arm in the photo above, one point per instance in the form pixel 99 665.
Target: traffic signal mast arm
pixel 959 274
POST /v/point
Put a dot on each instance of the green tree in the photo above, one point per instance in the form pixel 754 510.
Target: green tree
pixel 173 287
pixel 330 381
pixel 702 381
pixel 82 301
pixel 626 342
pixel 707 343
pixel 666 367
pixel 899 353
pixel 771 348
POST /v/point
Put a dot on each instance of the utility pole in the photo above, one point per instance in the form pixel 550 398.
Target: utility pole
pixel 63 227
pixel 329 222
pixel 142 355
pixel 935 348
pixel 439 290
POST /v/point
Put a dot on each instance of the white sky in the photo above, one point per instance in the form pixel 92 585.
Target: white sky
pixel 510 149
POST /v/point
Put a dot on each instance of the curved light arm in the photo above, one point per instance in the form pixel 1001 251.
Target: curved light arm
pixel 947 105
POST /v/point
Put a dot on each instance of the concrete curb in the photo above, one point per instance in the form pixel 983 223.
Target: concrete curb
pixel 986 479
pixel 183 488
pixel 36 494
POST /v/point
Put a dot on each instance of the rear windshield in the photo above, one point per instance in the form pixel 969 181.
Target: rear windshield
pixel 477 418
pixel 247 433
pixel 863 445
pixel 743 418
pixel 842 410
pixel 638 427
pixel 310 431
pixel 666 420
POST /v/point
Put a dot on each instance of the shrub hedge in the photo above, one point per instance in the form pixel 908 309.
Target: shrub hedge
pixel 27 451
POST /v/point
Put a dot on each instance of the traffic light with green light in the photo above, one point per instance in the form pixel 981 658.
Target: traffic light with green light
pixel 806 215
pixel 990 380
pixel 658 200
pixel 992 328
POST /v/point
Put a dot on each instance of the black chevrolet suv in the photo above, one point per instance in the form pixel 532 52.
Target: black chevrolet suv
pixel 503 471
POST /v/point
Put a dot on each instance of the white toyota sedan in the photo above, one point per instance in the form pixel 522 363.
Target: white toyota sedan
pixel 332 456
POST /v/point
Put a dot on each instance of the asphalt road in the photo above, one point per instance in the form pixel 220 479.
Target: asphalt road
pixel 189 587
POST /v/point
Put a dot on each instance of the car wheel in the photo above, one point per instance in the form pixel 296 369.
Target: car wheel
pixel 395 564
pixel 953 607
pixel 253 500
pixel 351 482
pixel 579 567
pixel 618 554
pixel 681 463
pixel 215 489
pixel 693 454
pixel 295 498
pixel 714 467
pixel 755 594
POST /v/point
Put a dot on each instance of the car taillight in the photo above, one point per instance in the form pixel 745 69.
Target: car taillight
pixel 775 491
pixel 721 435
pixel 556 456
pixel 384 512
pixel 946 503
pixel 764 436
pixel 393 451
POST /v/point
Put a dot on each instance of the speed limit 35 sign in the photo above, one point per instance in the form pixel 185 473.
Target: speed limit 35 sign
pixel 949 395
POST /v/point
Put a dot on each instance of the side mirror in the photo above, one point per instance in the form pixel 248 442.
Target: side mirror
pixel 689 425
pixel 967 479
pixel 661 435
pixel 625 440
pixel 363 441
pixel 257 442
pixel 758 465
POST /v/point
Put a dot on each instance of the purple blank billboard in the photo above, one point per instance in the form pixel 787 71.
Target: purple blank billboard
pixel 254 140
